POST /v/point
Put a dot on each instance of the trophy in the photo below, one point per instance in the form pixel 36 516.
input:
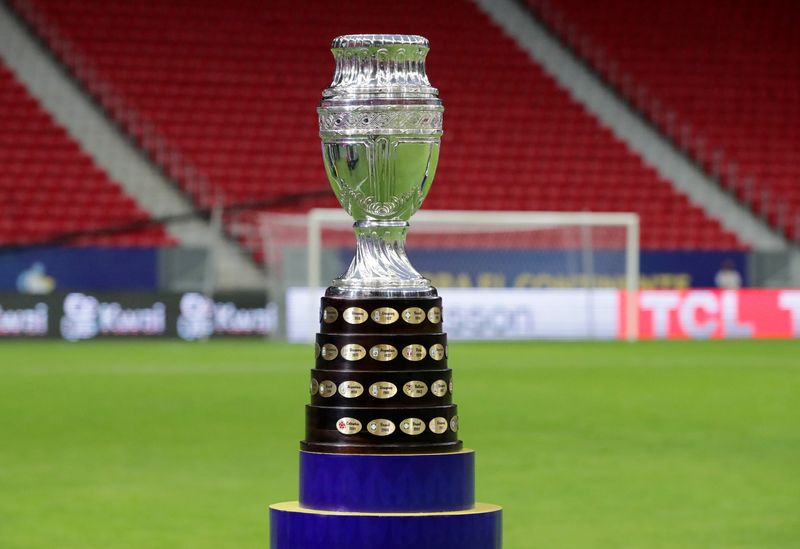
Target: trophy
pixel 380 122
pixel 381 464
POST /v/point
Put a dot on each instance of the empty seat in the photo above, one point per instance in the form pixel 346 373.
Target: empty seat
pixel 225 93
pixel 51 187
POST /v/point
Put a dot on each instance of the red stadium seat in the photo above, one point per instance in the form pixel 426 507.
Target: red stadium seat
pixel 232 86
pixel 728 70
pixel 50 186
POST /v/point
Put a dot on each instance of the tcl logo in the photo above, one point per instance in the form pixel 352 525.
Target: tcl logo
pixel 704 314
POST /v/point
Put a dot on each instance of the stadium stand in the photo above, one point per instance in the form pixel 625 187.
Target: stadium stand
pixel 50 187
pixel 720 77
pixel 224 94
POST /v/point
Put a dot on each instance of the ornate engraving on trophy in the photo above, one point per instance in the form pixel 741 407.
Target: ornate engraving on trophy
pixel 380 427
pixel 435 315
pixel 397 121
pixel 414 352
pixel 329 352
pixel 383 389
pixel 329 315
pixel 384 315
pixel 439 388
pixel 350 389
pixel 348 426
pixel 313 387
pixel 353 352
pixel 383 352
pixel 414 315
pixel 438 425
pixel 450 386
pixel 327 388
pixel 355 315
pixel 316 350
pixel 412 426
pixel 415 389
pixel 436 351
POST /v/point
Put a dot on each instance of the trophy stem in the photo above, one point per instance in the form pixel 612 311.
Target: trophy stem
pixel 381 267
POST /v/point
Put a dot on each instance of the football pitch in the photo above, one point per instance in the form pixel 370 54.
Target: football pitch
pixel 586 445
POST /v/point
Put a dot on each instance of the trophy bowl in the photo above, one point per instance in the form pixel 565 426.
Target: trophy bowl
pixel 380 124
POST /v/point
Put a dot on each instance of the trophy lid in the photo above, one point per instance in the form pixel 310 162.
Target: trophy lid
pixel 380 66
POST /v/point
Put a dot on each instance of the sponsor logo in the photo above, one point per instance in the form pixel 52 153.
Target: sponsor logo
pixel 201 317
pixel 24 322
pixel 86 317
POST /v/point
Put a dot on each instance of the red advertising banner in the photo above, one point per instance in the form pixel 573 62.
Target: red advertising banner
pixel 715 314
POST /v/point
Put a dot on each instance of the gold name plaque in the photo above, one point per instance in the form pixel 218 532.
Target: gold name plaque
pixel 329 351
pixel 355 315
pixel 412 426
pixel 348 426
pixel 327 388
pixel 414 315
pixel 439 387
pixel 415 389
pixel 351 389
pixel 383 389
pixel 329 315
pixel 353 352
pixel 385 315
pixel 438 425
pixel 383 352
pixel 414 352
pixel 380 427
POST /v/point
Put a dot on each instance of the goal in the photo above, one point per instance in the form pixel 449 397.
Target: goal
pixel 503 274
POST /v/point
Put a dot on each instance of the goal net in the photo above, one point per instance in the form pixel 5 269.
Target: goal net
pixel 502 274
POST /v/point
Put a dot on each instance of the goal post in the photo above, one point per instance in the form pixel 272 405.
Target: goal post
pixel 587 250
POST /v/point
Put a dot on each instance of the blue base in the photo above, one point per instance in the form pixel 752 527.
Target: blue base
pixel 293 527
pixel 388 483
pixel 404 501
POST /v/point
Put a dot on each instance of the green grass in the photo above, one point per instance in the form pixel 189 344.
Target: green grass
pixel 168 445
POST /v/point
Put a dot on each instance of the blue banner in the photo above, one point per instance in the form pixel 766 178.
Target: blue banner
pixel 42 270
pixel 560 268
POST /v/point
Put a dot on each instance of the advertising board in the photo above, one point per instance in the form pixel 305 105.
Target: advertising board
pixel 493 313
pixel 718 314
pixel 518 313
pixel 78 316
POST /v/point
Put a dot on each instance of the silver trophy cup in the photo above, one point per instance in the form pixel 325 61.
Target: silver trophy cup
pixel 380 123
